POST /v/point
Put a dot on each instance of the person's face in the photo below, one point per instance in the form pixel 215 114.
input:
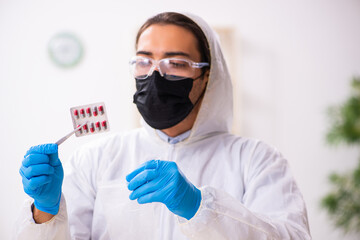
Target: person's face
pixel 164 41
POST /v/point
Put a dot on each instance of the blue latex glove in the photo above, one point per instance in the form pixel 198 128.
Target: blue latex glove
pixel 162 181
pixel 42 175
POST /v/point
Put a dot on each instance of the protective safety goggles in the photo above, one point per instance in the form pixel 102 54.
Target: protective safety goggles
pixel 172 69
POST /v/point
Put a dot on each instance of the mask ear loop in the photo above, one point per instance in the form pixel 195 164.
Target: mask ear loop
pixel 201 95
pixel 201 75
pixel 203 92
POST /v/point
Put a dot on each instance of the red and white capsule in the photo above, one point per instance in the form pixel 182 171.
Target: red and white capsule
pixel 82 112
pixel 104 124
pixel 101 109
pixel 92 127
pixel 80 130
pixel 76 114
pixel 97 125
pixel 85 128
pixel 95 111
pixel 88 112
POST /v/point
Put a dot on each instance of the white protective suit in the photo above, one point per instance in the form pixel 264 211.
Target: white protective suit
pixel 247 189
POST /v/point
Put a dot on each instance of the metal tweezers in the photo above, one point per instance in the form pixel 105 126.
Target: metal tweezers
pixel 61 140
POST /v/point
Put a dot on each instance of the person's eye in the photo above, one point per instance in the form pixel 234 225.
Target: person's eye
pixel 178 64
pixel 143 63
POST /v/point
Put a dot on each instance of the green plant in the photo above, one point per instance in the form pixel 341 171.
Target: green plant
pixel 343 202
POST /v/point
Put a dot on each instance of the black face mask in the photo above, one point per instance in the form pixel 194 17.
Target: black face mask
pixel 163 103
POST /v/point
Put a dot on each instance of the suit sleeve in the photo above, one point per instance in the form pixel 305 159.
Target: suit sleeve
pixel 272 206
pixel 57 228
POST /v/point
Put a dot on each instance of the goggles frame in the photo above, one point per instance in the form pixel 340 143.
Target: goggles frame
pixel 156 65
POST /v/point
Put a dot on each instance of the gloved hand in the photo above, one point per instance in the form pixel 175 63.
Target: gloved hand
pixel 42 175
pixel 162 181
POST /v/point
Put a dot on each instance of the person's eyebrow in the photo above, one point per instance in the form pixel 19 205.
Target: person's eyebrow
pixel 144 53
pixel 166 54
pixel 172 54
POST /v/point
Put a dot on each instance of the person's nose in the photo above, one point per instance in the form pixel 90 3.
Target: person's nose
pixel 156 67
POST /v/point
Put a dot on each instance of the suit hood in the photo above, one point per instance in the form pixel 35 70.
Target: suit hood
pixel 216 111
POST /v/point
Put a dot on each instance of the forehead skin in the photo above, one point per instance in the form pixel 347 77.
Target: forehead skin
pixel 162 41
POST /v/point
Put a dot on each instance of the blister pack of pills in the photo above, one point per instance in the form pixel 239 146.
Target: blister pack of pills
pixel 93 118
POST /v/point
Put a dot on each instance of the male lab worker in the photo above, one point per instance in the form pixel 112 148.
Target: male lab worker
pixel 182 175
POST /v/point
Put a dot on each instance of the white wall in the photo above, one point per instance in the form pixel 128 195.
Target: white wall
pixel 293 60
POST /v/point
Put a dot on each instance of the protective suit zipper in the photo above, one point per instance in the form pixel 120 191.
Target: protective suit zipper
pixel 171 151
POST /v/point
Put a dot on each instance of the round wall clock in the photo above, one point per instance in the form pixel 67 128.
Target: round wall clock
pixel 65 50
